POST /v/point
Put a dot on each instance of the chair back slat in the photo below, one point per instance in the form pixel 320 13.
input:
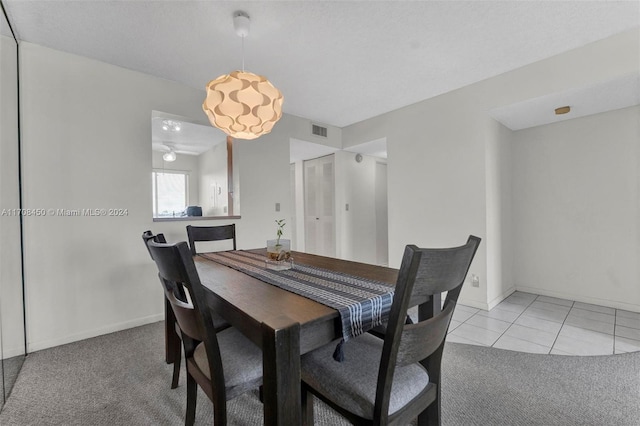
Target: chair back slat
pixel 184 312
pixel 441 270
pixel 210 233
pixel 170 266
pixel 422 339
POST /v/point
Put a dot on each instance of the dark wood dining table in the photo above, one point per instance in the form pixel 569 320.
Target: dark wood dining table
pixel 285 325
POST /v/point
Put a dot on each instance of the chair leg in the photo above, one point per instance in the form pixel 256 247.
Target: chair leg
pixel 431 415
pixel 176 368
pixel 192 394
pixel 307 407
pixel 220 414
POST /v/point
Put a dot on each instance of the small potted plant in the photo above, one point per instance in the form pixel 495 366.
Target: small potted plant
pixel 280 248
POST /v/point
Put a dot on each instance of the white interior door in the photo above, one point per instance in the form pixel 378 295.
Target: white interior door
pixel 319 199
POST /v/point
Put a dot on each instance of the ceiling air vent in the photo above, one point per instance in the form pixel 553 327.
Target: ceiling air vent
pixel 319 130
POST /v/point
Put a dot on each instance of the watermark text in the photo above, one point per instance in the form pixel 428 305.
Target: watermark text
pixel 58 212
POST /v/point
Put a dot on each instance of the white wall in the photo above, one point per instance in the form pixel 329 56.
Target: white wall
pixel 87 276
pixel 297 226
pixel 382 216
pixel 499 174
pixel 436 177
pixel 577 209
pixel 442 153
pixel 356 187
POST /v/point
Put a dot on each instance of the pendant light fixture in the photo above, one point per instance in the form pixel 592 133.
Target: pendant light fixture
pixel 170 155
pixel 171 125
pixel 242 104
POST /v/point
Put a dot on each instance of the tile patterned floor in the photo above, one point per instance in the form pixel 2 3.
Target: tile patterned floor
pixel 527 322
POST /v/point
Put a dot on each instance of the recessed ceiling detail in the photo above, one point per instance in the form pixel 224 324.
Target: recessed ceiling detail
pixel 605 96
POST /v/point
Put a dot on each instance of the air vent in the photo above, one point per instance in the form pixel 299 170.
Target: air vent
pixel 319 130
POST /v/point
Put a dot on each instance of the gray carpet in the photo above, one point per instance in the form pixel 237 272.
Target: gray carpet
pixel 11 368
pixel 121 379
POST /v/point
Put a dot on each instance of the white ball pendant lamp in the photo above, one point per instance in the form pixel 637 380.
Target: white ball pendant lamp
pixel 242 104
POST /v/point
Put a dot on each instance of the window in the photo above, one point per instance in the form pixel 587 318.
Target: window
pixel 170 189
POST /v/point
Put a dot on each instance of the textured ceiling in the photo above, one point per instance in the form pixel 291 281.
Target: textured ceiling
pixel 335 62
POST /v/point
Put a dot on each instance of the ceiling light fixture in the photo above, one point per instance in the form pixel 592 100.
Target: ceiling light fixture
pixel 242 104
pixel 169 156
pixel 171 126
pixel 563 110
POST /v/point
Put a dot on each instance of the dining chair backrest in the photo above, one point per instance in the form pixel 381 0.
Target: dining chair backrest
pixel 175 265
pixel 148 236
pixel 210 233
pixel 423 273
pixel 442 270
pixel 177 290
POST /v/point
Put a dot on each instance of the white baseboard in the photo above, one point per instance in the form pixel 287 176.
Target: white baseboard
pixel 496 300
pixel 37 346
pixel 473 304
pixel 579 298
pixel 11 352
pixel 487 306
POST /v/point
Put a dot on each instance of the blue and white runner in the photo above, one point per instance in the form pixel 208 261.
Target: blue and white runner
pixel 363 304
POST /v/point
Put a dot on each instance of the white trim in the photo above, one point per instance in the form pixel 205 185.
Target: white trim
pixel 473 304
pixel 45 344
pixel 488 306
pixel 501 297
pixel 584 299
pixel 10 353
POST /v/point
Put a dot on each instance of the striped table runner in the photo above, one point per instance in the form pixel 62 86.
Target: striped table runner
pixel 363 304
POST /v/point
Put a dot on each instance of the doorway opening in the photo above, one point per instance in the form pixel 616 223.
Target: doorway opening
pixel 339 199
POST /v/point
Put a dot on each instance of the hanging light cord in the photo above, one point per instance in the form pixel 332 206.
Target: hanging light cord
pixel 242 53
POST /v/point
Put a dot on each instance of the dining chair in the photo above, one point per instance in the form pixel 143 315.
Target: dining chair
pixel 393 380
pixel 174 345
pixel 210 233
pixel 224 364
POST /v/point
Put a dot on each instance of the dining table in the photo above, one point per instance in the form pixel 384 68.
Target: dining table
pixel 283 324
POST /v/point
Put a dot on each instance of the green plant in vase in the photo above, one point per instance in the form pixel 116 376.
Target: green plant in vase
pixel 280 248
pixel 281 223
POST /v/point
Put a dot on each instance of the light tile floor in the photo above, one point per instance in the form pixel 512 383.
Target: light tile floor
pixel 527 322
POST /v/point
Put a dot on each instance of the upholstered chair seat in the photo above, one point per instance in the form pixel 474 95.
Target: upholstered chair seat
pixel 351 384
pixel 242 362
